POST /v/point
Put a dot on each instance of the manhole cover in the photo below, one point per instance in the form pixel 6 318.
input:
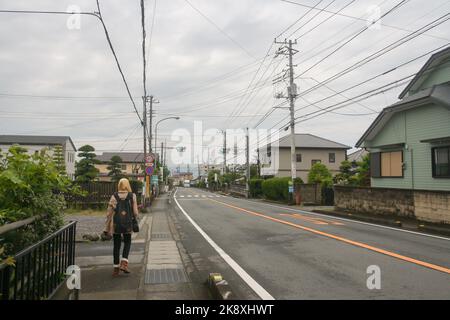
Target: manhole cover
pixel 158 276
pixel 156 236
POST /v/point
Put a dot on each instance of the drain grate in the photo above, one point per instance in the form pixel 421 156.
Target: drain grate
pixel 159 276
pixel 158 236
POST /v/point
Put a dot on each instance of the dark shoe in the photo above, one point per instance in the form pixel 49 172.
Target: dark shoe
pixel 124 266
pixel 116 272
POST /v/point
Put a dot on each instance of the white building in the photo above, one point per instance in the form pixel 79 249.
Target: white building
pixel 36 143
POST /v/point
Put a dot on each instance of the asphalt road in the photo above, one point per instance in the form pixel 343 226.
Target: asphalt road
pixel 273 251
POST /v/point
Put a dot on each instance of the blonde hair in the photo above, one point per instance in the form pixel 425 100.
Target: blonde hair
pixel 124 185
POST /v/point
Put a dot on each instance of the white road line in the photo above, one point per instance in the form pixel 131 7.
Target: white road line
pixel 351 220
pixel 196 196
pixel 181 196
pixel 259 290
pixel 203 196
pixel 189 196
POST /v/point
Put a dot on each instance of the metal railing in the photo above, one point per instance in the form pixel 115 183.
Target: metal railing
pixel 39 269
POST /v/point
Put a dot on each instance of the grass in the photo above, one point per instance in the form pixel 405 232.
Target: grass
pixel 86 213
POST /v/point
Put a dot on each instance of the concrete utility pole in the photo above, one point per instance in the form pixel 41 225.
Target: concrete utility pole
pixel 247 155
pixel 287 49
pixel 144 125
pixel 224 151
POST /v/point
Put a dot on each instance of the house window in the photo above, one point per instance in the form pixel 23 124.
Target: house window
pixel 299 157
pixel 387 164
pixel 123 166
pixel 441 162
pixel 313 162
pixel 332 157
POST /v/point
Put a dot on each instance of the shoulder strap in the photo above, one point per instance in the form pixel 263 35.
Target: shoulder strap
pixel 116 195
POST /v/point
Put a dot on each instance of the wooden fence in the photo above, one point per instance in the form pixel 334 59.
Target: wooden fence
pixel 99 193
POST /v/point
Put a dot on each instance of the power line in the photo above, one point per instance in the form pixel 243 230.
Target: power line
pixel 357 18
pixel 219 29
pixel 299 19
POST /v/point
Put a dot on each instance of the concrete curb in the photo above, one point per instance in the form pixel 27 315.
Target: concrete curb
pixel 391 223
pixel 434 230
pixel 219 287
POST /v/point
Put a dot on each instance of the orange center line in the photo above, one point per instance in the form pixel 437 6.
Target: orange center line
pixel 297 216
pixel 338 238
pixel 319 219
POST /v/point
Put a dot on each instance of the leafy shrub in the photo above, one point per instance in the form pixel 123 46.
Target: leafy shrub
pixel 256 187
pixel 320 174
pixel 276 189
pixel 30 186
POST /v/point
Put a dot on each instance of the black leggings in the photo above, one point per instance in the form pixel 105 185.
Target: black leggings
pixel 118 243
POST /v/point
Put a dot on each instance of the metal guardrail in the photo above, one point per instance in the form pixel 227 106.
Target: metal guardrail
pixel 40 268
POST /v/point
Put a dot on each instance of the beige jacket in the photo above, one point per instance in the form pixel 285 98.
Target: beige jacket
pixel 109 225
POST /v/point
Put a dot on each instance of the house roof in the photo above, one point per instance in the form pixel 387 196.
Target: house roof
pixel 127 157
pixel 357 155
pixel 438 94
pixel 306 140
pixel 36 140
pixel 421 76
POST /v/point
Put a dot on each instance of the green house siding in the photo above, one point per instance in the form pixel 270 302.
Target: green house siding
pixel 409 128
pixel 439 75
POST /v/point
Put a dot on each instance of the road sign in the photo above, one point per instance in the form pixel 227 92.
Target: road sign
pixel 291 189
pixel 149 164
pixel 149 170
pixel 150 158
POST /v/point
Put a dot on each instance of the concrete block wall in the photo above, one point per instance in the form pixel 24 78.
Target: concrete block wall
pixel 423 205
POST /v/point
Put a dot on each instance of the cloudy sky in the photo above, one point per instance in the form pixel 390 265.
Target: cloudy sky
pixel 203 56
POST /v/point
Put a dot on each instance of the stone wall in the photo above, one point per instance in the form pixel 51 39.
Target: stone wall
pixel 428 206
pixel 380 201
pixel 311 193
pixel 432 206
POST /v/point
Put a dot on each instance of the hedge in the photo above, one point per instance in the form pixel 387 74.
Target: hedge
pixel 256 188
pixel 276 189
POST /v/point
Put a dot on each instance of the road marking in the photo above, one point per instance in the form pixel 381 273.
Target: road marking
pixel 338 238
pixel 315 220
pixel 196 196
pixel 189 196
pixel 300 217
pixel 181 196
pixel 203 196
pixel 259 290
pixel 351 220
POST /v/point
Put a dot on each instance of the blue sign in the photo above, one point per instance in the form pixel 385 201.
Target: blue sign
pixel 291 189
pixel 149 170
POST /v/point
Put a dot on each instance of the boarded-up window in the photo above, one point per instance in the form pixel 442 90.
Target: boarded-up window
pixel 392 164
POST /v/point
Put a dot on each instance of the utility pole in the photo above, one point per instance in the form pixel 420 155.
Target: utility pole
pixel 224 151
pixel 258 160
pixel 247 155
pixel 287 49
pixel 144 125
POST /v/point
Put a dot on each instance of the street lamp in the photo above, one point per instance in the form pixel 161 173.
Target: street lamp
pixel 156 129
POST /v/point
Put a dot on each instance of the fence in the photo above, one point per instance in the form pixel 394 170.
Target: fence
pixel 39 269
pixel 239 190
pixel 99 193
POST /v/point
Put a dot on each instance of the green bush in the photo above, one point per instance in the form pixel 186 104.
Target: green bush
pixel 320 174
pixel 30 186
pixel 276 189
pixel 256 187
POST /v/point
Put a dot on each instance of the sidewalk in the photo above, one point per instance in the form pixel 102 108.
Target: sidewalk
pixel 157 268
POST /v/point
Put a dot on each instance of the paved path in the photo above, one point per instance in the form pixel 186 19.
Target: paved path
pixel 274 251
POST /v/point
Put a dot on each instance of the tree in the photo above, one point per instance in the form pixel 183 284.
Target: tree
pixel 319 173
pixel 363 172
pixel 85 170
pixel 346 173
pixel 58 159
pixel 31 186
pixel 115 168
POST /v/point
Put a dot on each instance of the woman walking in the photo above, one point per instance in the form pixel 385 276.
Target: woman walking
pixel 121 222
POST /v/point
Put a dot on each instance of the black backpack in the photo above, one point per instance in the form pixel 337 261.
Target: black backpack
pixel 123 215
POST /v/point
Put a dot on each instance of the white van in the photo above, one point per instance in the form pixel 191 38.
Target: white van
pixel 187 183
